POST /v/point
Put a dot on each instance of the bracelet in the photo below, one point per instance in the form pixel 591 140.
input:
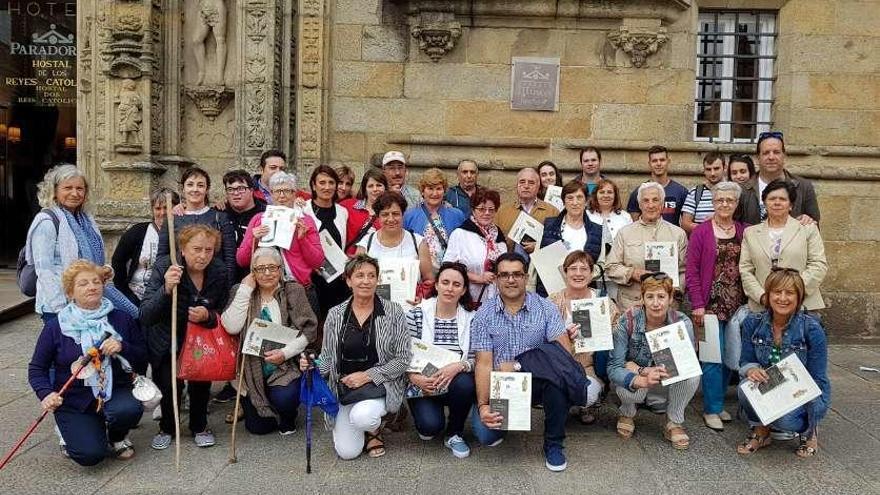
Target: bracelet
pixel 641 369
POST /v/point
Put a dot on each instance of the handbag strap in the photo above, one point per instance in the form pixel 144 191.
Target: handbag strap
pixel 361 233
pixel 443 241
pixel 126 366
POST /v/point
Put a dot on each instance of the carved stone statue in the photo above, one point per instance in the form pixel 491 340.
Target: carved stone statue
pixel 129 113
pixel 211 18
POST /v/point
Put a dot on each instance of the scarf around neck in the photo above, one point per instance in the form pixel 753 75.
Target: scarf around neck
pixel 86 327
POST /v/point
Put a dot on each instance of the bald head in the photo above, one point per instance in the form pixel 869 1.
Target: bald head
pixel 527 183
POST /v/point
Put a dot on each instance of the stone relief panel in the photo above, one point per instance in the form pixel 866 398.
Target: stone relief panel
pixel 209 46
pixel 310 100
pixel 129 116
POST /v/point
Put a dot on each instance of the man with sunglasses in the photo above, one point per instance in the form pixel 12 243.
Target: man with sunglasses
pixel 771 166
pixel 507 325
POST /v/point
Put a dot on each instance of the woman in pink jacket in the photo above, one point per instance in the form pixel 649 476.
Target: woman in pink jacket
pixel 304 254
pixel 714 287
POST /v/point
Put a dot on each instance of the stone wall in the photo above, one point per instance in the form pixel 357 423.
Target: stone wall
pixel 385 92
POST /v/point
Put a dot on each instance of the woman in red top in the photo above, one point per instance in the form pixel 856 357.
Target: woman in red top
pixel 361 218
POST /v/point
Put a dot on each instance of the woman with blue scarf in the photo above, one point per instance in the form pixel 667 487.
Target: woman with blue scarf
pixel 60 234
pixel 99 408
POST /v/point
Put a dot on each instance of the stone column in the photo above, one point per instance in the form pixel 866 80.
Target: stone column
pixel 311 85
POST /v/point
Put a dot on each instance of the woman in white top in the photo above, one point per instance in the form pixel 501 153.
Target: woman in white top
pixel 477 243
pixel 604 207
pixel 391 241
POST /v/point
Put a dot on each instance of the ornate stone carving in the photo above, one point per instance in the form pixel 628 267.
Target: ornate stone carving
pixel 638 43
pixel 124 52
pixel 310 101
pixel 437 33
pixel 211 19
pixel 255 23
pixel 210 100
pixel 255 123
pixel 129 115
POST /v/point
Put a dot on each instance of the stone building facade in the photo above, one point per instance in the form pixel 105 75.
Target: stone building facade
pixel 346 80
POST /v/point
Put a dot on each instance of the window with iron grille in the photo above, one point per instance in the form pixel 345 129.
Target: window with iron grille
pixel 736 51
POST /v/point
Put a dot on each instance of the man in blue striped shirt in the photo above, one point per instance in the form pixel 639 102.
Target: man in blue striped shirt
pixel 513 322
pixel 698 203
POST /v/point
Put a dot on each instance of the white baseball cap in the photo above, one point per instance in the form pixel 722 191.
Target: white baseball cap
pixel 393 156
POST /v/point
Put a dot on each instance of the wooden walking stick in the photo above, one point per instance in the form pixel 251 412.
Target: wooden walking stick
pixel 172 248
pixel 232 457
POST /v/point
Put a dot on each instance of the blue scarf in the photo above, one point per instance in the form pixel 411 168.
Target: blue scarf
pixel 86 327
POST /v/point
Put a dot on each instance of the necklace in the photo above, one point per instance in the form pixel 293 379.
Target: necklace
pixel 728 229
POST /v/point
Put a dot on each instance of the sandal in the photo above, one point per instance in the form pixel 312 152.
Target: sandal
pixel 228 419
pixel 587 415
pixel 755 441
pixel 676 434
pixel 123 450
pixel 625 427
pixel 374 444
pixel 809 447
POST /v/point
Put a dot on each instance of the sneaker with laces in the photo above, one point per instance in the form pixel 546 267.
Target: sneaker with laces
pixel 161 441
pixel 286 432
pixel 204 439
pixel 458 446
pixel 554 457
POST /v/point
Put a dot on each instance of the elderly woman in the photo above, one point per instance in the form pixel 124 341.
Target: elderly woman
pixel 578 270
pixel 433 219
pixel 362 220
pixel 195 184
pixel 202 290
pixel 100 409
pixel 781 241
pixel 365 354
pixel 625 263
pixel 604 208
pixel 740 168
pixel 392 241
pixel 62 233
pixel 304 255
pixel 444 320
pixel 136 251
pixel 331 217
pixel 478 243
pixel 771 335
pixel 271 382
pixel 632 370
pixel 714 286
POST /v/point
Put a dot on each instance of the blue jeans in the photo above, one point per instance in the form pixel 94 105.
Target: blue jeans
pixel 428 412
pixel 600 364
pixel 556 405
pixel 795 421
pixel 87 432
pixel 285 401
pixel 716 377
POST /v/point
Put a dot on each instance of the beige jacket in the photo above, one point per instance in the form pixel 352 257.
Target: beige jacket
pixel 628 253
pixel 802 249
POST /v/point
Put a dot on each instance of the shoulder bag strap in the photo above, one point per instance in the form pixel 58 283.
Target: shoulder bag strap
pixel 361 233
pixel 443 241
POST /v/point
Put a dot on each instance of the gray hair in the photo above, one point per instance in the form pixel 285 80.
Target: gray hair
pixel 281 179
pixel 647 186
pixel 56 175
pixel 159 195
pixel 267 252
pixel 728 187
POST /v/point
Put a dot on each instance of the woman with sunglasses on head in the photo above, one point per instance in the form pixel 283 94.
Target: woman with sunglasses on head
pixel 636 378
pixel 784 242
pixel 768 337
pixel 444 320
pixel 478 243
pixel 714 287
pixel 271 382
pixel 365 355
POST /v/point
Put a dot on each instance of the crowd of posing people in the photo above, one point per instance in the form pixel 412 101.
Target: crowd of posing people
pixel 748 248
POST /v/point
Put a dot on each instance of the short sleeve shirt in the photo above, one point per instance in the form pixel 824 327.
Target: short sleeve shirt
pixel 702 209
pixel 507 336
pixel 672 203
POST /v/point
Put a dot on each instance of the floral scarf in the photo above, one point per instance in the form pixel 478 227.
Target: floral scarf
pixel 86 327
pixel 493 251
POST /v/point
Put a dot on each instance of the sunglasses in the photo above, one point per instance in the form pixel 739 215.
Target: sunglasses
pixel 654 275
pixel 770 134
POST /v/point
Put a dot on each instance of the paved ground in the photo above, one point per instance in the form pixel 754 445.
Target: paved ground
pixel 598 461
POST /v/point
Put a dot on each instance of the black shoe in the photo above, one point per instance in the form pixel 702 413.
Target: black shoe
pixel 225 395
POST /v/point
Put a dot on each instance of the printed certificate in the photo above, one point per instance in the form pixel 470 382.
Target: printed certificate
pixel 789 388
pixel 526 228
pixel 710 349
pixel 510 394
pixel 264 336
pixel 334 258
pixel 672 348
pixel 594 317
pixel 663 257
pixel 427 358
pixel 281 221
pixel 398 279
pixel 553 195
pixel 547 261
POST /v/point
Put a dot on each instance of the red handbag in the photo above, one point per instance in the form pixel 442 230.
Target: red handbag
pixel 208 354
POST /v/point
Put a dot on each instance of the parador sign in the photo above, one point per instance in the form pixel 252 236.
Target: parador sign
pixel 52 43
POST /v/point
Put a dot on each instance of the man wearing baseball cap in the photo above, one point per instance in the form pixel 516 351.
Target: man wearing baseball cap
pixel 394 168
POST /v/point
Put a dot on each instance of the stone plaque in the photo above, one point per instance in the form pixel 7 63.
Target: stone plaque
pixel 534 84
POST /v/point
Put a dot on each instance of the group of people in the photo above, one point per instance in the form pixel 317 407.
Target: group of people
pixel 747 244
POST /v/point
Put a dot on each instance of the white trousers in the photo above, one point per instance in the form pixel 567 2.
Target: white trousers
pixel 351 423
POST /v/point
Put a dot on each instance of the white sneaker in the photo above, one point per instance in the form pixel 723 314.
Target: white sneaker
pixel 458 446
pixel 157 414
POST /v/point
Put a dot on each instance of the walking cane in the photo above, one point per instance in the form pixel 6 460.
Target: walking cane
pixel 172 248
pixel 309 405
pixel 232 457
pixel 81 363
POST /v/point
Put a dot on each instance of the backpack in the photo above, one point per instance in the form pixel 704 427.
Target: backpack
pixel 24 271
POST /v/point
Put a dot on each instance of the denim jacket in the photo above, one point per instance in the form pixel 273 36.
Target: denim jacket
pixel 633 345
pixel 805 337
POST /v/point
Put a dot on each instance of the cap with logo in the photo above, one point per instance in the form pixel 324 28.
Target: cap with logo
pixel 393 156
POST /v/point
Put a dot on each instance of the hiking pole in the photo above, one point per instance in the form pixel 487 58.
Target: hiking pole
pixel 309 406
pixel 232 457
pixel 172 248
pixel 81 363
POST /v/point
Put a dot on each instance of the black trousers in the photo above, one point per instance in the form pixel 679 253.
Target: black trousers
pixel 199 395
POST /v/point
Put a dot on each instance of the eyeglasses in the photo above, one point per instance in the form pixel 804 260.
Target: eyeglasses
pixel 266 269
pixel 770 134
pixel 237 190
pixel 284 192
pixel 658 276
pixel 482 209
pixel 723 201
pixel 517 276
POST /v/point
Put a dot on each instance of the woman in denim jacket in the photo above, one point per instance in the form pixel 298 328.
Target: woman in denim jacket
pixel 770 336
